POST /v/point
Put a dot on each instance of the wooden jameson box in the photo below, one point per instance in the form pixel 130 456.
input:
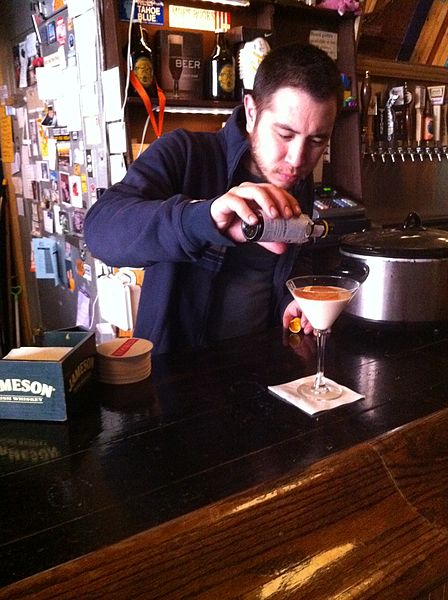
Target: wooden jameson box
pixel 47 390
pixel 179 55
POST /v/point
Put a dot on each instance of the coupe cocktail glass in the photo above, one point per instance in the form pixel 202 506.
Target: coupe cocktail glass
pixel 321 299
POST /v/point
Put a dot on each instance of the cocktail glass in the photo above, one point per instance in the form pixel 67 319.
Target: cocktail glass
pixel 321 299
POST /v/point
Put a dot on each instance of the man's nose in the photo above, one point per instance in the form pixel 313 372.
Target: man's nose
pixel 296 153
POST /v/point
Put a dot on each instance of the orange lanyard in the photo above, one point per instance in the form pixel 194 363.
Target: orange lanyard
pixel 148 104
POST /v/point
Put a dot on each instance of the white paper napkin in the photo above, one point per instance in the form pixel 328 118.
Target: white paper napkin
pixel 288 391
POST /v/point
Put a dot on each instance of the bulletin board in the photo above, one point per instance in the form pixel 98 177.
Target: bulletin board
pixel 58 156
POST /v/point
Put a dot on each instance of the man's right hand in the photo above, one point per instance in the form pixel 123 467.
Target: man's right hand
pixel 239 204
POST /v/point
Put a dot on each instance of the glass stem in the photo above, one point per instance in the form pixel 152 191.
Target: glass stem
pixel 319 381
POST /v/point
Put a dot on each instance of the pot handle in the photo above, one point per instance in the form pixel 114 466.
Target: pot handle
pixel 351 268
pixel 412 221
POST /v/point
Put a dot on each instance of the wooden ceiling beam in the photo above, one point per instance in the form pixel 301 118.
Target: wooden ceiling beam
pixel 384 32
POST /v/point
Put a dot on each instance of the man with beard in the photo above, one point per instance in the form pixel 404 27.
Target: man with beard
pixel 178 211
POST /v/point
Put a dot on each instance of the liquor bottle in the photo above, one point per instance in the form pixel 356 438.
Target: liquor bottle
pixel 142 60
pixel 296 230
pixel 220 84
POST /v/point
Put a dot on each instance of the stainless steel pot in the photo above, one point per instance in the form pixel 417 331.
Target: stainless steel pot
pixel 408 273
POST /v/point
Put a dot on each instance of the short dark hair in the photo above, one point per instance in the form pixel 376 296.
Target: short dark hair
pixel 301 66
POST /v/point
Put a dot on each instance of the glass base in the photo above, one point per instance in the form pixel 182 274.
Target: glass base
pixel 327 391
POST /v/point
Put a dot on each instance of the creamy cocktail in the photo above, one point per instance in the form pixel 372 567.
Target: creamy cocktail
pixel 322 304
pixel 321 299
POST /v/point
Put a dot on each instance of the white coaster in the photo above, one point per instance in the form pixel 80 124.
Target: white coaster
pixel 288 391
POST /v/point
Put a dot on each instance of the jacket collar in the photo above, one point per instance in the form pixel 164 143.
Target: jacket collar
pixel 234 140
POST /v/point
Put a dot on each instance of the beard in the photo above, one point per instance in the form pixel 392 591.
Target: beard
pixel 284 177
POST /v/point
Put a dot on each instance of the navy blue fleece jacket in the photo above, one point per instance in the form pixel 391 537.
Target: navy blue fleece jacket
pixel 158 217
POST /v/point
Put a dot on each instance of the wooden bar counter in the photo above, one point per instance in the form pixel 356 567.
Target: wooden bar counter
pixel 199 483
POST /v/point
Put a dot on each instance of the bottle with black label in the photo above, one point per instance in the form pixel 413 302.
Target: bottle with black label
pixel 142 59
pixel 220 75
pixel 297 230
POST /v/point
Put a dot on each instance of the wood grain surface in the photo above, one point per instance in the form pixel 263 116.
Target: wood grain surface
pixel 199 483
pixel 369 522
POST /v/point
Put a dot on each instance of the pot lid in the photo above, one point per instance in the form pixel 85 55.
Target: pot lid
pixel 411 240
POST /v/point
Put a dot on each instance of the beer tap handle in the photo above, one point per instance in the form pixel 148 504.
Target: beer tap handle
pixel 392 153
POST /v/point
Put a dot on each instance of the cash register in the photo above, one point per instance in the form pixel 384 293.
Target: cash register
pixel 344 214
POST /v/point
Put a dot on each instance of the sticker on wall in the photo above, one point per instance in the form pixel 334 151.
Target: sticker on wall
pixel 201 19
pixel 58 4
pixel 56 220
pixel 46 259
pixel 36 190
pixel 78 221
pixel 64 221
pixel 75 190
pixel 61 31
pixel 84 183
pixel 48 221
pixel 43 172
pixel 87 272
pixel 54 186
pixel 33 137
pixel 51 32
pixel 36 225
pixel 64 187
pixel 63 153
pixel 145 11
pixel 83 309
pixel 89 163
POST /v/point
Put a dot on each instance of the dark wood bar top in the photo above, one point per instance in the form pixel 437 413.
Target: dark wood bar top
pixel 199 483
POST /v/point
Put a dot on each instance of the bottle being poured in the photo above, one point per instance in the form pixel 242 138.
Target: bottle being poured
pixel 297 230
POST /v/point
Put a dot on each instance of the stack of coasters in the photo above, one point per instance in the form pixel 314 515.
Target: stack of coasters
pixel 123 360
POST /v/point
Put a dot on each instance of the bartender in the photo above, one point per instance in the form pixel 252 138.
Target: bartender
pixel 178 210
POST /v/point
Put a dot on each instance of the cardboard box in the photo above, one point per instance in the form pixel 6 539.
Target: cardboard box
pixel 48 390
pixel 179 54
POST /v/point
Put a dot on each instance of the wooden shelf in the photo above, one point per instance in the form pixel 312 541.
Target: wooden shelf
pixel 401 70
pixel 193 106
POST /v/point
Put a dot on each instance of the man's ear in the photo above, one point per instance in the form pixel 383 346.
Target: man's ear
pixel 251 112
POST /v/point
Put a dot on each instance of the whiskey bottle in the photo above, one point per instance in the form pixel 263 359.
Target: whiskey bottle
pixel 297 230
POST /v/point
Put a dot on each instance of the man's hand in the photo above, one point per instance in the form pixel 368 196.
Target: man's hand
pixel 291 312
pixel 239 203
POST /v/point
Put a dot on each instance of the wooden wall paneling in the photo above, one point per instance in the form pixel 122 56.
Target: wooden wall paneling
pixel 384 30
pixel 430 30
pixel 19 263
pixel 439 51
pixel 414 29
pixel 109 21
